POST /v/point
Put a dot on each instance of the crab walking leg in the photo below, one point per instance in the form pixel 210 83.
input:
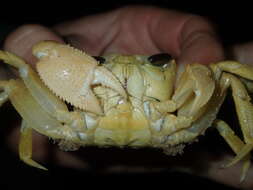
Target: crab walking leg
pixel 244 110
pixel 3 98
pixel 32 112
pixel 243 70
pixel 248 84
pixel 25 146
pixel 34 117
pixel 234 142
pixel 52 104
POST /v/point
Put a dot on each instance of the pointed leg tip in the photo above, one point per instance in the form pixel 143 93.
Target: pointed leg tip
pixel 242 179
pixel 223 166
pixel 230 164
pixel 32 163
pixel 41 167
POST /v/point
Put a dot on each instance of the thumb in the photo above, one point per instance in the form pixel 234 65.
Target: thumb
pixel 20 41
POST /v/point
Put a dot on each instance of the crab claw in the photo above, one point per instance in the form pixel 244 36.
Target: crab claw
pixel 197 82
pixel 70 73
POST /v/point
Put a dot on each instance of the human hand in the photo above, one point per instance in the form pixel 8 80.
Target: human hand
pixel 130 30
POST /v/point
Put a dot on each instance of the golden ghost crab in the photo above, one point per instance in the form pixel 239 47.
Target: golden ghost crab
pixel 135 101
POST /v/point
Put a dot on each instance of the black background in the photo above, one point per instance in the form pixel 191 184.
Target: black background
pixel 234 25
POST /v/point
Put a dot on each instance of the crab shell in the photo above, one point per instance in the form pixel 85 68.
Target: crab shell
pixel 69 73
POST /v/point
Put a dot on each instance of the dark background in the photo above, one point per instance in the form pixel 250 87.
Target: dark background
pixel 234 25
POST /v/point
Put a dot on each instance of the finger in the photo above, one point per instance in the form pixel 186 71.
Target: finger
pixel 192 39
pixel 20 41
pixel 141 29
pixel 242 53
pixel 230 176
pixel 92 33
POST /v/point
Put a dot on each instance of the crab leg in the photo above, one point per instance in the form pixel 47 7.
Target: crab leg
pixel 237 68
pixel 33 83
pixel 34 115
pixel 241 97
pixel 234 142
pixel 3 98
pixel 244 110
pixel 25 146
pixel 243 105
pixel 49 102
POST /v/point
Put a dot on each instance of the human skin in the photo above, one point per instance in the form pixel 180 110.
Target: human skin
pixel 134 30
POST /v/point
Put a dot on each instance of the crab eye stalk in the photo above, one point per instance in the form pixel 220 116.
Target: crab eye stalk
pixel 99 59
pixel 160 59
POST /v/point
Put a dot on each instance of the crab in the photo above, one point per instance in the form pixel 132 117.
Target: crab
pixel 125 100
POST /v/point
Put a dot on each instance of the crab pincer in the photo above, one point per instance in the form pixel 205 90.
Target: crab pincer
pixel 70 73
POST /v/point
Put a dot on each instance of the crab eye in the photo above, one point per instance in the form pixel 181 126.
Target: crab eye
pixel 160 59
pixel 99 59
